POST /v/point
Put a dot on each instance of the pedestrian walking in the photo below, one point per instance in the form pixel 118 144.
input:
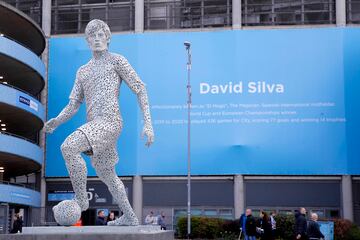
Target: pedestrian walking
pixel 301 225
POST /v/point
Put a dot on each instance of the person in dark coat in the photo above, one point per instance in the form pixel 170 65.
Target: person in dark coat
pixel 242 223
pixel 100 220
pixel 110 217
pixel 313 229
pixel 161 221
pixel 265 227
pixel 250 226
pixel 17 225
pixel 301 225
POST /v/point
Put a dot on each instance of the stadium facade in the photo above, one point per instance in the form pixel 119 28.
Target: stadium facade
pixel 22 78
pixel 275 114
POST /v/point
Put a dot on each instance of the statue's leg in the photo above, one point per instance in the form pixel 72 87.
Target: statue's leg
pixel 71 150
pixel 104 164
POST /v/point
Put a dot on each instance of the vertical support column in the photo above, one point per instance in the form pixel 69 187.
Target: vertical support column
pixel 46 17
pixel 138 197
pixel 340 13
pixel 139 16
pixel 202 13
pixel 302 12
pixel 239 201
pixel 273 15
pixel 46 26
pixel 236 14
pixel 347 197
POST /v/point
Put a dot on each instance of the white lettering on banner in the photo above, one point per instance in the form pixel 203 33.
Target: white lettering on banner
pixel 20 195
pixel 216 89
pixel 263 87
pixel 252 87
pixel 90 195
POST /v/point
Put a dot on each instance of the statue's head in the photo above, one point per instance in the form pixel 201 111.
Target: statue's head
pixel 98 35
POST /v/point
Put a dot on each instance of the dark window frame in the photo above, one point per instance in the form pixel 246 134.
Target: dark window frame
pixel 287 12
pixel 80 9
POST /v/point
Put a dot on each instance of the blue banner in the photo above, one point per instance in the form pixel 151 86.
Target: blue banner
pixel 19 195
pixel 264 101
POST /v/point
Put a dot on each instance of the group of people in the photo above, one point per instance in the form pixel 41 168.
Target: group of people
pixel 102 219
pixel 304 229
pixel 151 219
pixel 265 226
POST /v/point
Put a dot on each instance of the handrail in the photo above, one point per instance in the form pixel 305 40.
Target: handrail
pixel 19 89
pixel 18 136
pixel 18 184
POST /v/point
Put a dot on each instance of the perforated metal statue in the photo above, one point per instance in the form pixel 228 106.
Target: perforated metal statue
pixel 98 83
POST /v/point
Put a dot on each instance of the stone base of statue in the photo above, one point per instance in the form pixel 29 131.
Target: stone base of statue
pixel 141 232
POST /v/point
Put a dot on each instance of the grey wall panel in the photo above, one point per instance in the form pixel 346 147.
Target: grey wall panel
pixel 292 193
pixel 96 187
pixel 174 193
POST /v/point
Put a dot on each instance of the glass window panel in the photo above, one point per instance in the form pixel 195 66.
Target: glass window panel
pixel 225 212
pixel 85 18
pixel 180 213
pixel 92 1
pixel 187 14
pixel 286 212
pixel 121 18
pixel 256 212
pixel 288 12
pixel 32 8
pixel 66 2
pixel 119 15
pixel 98 13
pixel 66 21
pixel 333 213
pixel 196 212
pixel 353 11
pixel 210 212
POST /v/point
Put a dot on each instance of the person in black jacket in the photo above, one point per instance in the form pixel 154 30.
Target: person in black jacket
pixel 100 220
pixel 313 230
pixel 18 224
pixel 250 226
pixel 265 226
pixel 301 225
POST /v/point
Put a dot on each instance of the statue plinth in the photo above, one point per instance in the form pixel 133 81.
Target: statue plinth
pixel 141 232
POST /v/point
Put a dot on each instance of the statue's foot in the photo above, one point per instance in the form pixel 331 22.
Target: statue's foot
pixel 67 212
pixel 124 221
